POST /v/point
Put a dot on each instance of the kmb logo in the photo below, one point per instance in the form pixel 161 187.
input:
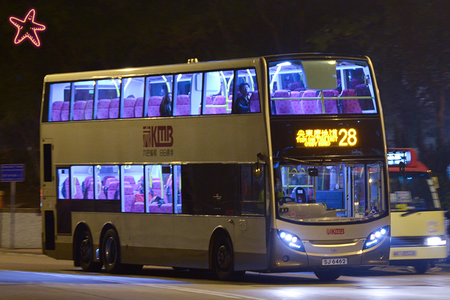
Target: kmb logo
pixel 157 136
pixel 335 231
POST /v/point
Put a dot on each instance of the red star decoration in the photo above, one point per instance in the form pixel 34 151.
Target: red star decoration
pixel 27 28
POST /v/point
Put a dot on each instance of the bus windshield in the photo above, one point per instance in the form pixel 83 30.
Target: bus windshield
pixel 335 192
pixel 321 86
pixel 414 191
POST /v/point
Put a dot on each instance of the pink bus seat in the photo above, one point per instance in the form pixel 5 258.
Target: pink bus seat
pixel 138 108
pixel 129 196
pixel 209 101
pixel 283 107
pixel 167 208
pixel 88 110
pixel 65 111
pixel 156 187
pixel 330 104
pixel 296 101
pixel 114 108
pixel 78 110
pixel 254 102
pixel 103 108
pixel 56 111
pixel 128 108
pixel 220 100
pixel 107 180
pixel 350 106
pixel 114 190
pixel 77 194
pixel 153 106
pixel 183 106
pixel 130 179
pixel 311 106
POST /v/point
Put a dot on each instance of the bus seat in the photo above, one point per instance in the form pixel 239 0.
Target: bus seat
pixel 166 208
pixel 105 188
pixel 113 190
pixel 254 102
pixel 283 107
pixel 330 104
pixel 183 106
pixel 78 110
pixel 156 186
pixel 220 100
pixel 56 111
pixel 65 111
pixel 296 101
pixel 168 187
pixel 350 106
pixel 138 107
pixel 78 193
pixel 311 106
pixel 88 187
pixel 153 106
pixel 128 108
pixel 209 110
pixel 130 179
pixel 114 108
pixel 129 196
pixel 363 90
pixel 103 108
pixel 88 110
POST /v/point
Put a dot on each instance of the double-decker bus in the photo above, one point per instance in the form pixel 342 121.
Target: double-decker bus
pixel 268 164
pixel 418 226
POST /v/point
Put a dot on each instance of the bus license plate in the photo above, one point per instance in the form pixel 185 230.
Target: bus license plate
pixel 405 253
pixel 334 261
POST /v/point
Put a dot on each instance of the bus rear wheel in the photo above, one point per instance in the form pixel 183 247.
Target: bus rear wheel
pixel 222 258
pixel 85 248
pixel 328 274
pixel 110 251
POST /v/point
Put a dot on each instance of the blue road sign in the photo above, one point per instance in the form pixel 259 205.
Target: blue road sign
pixel 12 173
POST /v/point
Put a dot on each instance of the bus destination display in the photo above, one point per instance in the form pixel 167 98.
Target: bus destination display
pixel 335 137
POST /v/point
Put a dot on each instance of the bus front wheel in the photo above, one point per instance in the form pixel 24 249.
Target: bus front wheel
pixel 111 251
pixel 421 266
pixel 328 274
pixel 85 248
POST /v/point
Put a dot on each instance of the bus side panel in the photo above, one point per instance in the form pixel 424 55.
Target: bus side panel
pixel 181 240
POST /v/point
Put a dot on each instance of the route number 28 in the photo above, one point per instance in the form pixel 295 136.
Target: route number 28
pixel 348 137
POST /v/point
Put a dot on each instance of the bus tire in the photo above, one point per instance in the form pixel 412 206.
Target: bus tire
pixel 85 252
pixel 110 251
pixel 328 274
pixel 421 266
pixel 222 258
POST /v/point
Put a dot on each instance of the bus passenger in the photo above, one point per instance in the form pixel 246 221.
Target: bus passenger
pixel 242 103
pixel 165 108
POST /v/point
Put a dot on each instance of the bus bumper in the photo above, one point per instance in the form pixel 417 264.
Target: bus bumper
pixel 344 255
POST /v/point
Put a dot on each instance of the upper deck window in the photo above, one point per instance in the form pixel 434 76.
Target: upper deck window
pixel 316 87
pixel 183 94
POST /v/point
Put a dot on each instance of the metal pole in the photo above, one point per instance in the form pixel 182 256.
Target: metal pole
pixel 13 210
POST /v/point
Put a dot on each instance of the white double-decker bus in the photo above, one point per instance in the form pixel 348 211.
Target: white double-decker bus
pixel 268 164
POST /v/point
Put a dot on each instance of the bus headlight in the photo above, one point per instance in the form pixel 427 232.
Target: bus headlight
pixel 435 241
pixel 375 237
pixel 291 240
